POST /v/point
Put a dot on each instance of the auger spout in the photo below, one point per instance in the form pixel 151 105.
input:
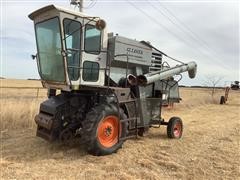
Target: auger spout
pixel 149 78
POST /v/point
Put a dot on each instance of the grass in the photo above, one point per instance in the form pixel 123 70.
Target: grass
pixel 18 107
pixel 209 148
pixel 18 113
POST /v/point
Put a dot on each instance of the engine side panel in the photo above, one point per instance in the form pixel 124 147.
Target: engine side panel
pixel 138 54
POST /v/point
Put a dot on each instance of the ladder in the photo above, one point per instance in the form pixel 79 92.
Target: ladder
pixel 132 119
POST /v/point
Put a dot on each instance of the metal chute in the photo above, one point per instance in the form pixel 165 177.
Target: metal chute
pixel 149 78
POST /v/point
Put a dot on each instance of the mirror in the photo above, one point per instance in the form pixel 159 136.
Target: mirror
pixel 100 24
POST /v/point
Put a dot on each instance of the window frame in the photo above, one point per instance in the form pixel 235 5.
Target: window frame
pixel 38 59
pixel 85 68
pixel 65 43
pixel 100 41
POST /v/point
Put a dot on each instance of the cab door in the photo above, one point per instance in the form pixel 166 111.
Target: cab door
pixel 93 59
pixel 72 35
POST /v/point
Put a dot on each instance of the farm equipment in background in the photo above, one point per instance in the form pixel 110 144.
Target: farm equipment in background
pixel 111 88
pixel 235 85
pixel 224 98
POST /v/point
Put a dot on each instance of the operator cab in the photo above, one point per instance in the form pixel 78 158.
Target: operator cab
pixel 71 48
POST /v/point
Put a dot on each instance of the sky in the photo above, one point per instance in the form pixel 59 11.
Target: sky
pixel 203 31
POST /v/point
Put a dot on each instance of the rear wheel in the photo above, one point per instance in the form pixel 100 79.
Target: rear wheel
pixel 222 100
pixel 101 130
pixel 175 128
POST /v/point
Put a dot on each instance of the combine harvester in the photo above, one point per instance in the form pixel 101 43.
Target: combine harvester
pixel 111 88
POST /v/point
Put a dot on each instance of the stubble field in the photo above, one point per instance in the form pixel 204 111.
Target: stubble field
pixel 209 148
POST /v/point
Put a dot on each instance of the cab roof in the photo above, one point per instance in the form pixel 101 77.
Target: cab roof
pixel 58 8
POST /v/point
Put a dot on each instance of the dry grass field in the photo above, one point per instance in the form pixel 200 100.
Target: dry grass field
pixel 209 148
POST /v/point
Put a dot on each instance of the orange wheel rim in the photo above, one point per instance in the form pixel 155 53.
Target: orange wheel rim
pixel 107 131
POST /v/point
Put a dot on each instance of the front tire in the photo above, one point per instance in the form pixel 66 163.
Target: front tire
pixel 175 128
pixel 101 129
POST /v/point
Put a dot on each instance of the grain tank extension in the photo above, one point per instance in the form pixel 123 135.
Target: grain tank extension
pixel 102 88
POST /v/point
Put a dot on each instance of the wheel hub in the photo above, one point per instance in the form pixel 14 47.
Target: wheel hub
pixel 177 130
pixel 108 131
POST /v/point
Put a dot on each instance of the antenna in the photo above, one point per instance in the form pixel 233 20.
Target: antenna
pixel 78 3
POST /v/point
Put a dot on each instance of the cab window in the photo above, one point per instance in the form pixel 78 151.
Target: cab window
pixel 72 32
pixel 51 64
pixel 92 39
pixel 90 71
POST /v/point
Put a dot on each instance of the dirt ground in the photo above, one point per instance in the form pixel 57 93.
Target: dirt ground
pixel 209 148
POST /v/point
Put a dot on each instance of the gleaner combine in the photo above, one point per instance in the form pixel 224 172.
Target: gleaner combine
pixel 111 88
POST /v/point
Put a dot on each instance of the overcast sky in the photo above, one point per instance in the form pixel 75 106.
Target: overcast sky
pixel 204 31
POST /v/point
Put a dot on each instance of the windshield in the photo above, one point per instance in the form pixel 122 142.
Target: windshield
pixel 49 50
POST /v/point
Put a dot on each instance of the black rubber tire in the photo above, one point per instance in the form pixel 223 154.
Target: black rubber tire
pixel 222 100
pixel 90 126
pixel 170 127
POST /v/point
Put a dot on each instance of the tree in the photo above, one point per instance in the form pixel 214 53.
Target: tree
pixel 212 82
